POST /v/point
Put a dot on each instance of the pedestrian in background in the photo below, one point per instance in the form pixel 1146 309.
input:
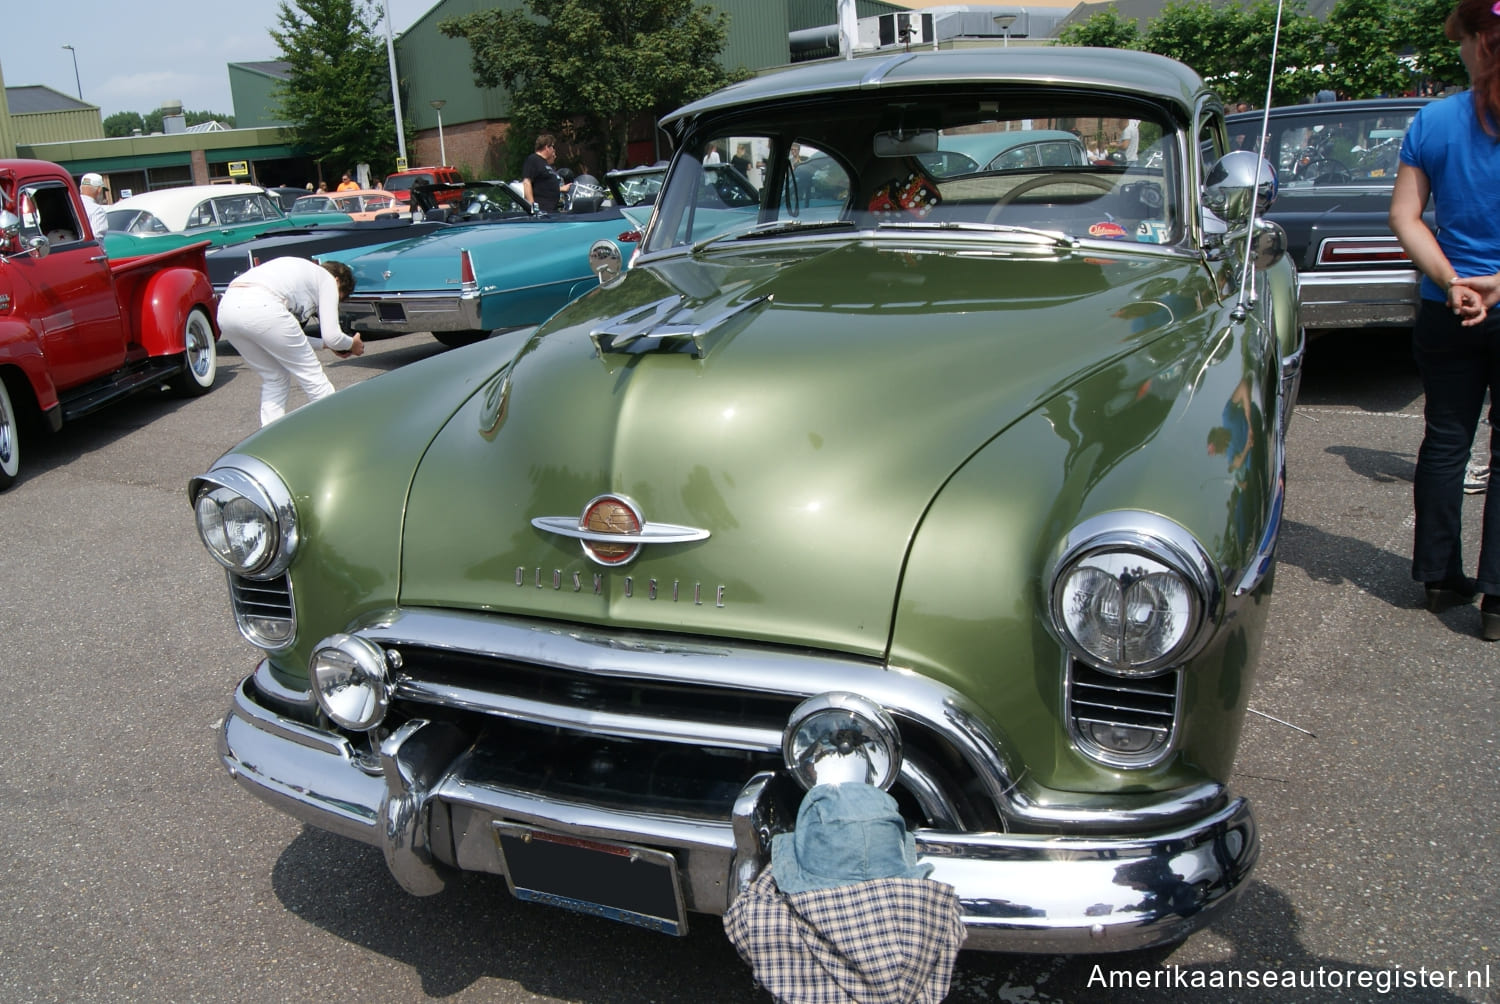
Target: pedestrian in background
pixel 91 187
pixel 1452 153
pixel 348 184
pixel 539 182
pixel 262 314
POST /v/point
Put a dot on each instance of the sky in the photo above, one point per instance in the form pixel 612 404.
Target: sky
pixel 135 55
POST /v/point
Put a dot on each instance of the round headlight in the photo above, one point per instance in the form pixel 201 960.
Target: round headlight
pixel 1127 613
pixel 245 517
pixel 838 737
pixel 350 681
pixel 238 533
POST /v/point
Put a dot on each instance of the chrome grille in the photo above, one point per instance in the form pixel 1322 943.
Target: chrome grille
pixel 1096 698
pixel 263 610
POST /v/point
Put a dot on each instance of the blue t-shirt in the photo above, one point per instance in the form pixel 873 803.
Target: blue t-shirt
pixel 1462 162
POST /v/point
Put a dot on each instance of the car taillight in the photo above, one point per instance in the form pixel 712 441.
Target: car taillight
pixel 466 270
pixel 1361 251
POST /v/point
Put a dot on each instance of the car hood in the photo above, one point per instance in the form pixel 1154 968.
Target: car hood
pixel 828 398
pixel 432 262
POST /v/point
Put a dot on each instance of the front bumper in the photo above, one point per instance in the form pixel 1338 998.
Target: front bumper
pixel 427 798
pixel 1358 299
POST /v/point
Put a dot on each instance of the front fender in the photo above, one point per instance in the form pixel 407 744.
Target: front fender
pixel 1146 433
pixel 21 349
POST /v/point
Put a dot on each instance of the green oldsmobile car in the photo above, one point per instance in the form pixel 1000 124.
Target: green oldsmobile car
pixel 977 478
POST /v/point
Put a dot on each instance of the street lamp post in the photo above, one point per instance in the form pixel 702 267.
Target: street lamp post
pixel 390 55
pixel 76 79
pixel 1003 22
pixel 437 104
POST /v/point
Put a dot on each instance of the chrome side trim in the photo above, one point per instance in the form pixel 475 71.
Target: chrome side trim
pixel 1290 381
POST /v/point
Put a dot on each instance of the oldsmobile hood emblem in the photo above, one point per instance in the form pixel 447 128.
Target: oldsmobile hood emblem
pixel 612 530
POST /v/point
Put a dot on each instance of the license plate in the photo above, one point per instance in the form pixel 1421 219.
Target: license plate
pixel 633 885
pixel 390 312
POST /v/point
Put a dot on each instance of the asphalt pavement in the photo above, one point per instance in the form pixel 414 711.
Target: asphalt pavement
pixel 132 868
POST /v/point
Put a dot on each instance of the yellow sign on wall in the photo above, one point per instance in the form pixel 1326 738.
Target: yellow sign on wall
pixel 239 169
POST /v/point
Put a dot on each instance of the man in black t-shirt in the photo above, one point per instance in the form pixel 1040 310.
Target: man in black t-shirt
pixel 542 186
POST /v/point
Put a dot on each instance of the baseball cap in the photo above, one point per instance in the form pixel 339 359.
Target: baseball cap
pixel 91 179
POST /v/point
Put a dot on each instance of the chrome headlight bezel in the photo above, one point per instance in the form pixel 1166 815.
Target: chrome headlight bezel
pixel 1173 551
pixel 234 478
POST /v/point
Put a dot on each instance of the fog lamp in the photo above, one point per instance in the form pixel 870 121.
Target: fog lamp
pixel 350 681
pixel 1124 740
pixel 838 737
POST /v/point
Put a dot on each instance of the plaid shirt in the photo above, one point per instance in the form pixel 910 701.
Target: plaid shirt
pixel 885 941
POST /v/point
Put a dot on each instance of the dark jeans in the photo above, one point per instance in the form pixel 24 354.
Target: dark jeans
pixel 1458 365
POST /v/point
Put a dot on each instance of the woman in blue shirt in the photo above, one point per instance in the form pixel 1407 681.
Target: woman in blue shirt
pixel 1452 153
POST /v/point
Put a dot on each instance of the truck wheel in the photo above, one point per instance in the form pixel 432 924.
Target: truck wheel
pixel 200 359
pixel 10 440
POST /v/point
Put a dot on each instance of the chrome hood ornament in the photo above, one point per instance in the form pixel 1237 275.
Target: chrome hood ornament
pixel 612 530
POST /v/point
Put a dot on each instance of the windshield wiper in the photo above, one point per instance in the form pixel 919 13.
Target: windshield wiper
pixel 1056 236
pixel 778 228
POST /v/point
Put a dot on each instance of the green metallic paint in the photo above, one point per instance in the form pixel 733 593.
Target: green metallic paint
pixel 811 485
pixel 349 463
pixel 1132 436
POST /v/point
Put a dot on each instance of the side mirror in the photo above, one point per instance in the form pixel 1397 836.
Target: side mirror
pixel 1240 185
pixel 605 261
pixel 10 224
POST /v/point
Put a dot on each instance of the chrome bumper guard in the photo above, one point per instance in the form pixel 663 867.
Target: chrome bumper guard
pixel 1355 299
pixel 425 802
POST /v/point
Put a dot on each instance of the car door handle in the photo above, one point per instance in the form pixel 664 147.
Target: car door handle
pixel 99 257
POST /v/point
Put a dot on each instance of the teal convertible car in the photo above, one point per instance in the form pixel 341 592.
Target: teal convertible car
pixel 977 479
pixel 499 264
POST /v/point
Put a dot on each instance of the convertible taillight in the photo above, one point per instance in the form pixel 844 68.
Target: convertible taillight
pixel 1361 251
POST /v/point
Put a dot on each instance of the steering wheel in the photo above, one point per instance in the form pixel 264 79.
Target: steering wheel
pixel 1102 184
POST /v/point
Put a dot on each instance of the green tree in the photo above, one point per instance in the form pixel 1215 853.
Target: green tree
pixel 1230 47
pixel 1106 29
pixel 124 124
pixel 588 68
pixel 1436 57
pixel 338 94
pixel 1364 42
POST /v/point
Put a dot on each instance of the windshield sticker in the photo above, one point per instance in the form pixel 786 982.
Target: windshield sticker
pixel 1152 232
pixel 1107 229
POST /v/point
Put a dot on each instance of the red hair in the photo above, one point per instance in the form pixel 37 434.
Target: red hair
pixel 1481 20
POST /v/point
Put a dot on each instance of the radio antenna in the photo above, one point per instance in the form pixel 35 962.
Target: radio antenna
pixel 1247 295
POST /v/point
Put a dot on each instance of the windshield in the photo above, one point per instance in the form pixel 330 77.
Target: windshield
pixel 1002 160
pixel 1333 147
pixel 403 182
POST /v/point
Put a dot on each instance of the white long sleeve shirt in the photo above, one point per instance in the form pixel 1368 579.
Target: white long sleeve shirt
pixel 307 290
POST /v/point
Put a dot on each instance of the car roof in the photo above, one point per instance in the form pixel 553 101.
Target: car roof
pixel 172 205
pixel 1329 108
pixel 1118 70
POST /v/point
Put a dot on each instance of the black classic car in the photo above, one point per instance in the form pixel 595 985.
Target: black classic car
pixel 1337 164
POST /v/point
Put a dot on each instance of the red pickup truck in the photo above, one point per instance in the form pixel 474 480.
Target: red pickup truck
pixel 78 331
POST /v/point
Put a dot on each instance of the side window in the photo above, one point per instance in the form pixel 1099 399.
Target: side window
pixel 47 209
pixel 1211 144
pixel 202 215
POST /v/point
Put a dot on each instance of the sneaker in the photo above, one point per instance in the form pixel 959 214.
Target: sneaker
pixel 1476 479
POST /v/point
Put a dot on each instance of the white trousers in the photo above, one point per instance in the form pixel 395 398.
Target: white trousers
pixel 274 345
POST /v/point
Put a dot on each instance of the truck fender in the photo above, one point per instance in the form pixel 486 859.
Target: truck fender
pixel 20 349
pixel 171 295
